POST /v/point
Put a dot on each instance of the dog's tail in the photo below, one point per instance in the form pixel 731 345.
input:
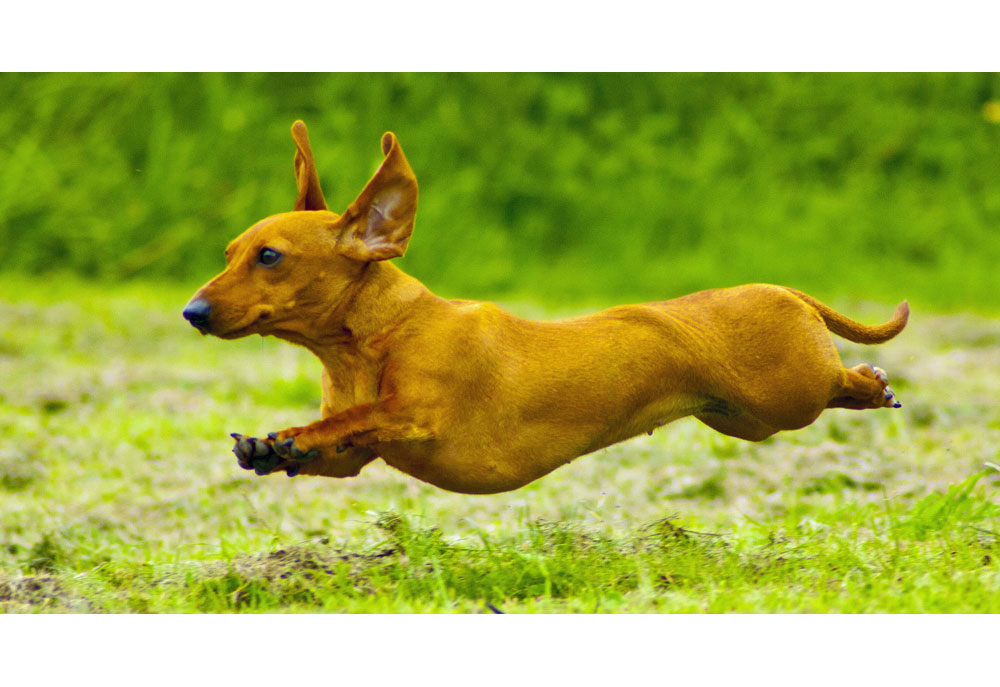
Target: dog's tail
pixel 855 331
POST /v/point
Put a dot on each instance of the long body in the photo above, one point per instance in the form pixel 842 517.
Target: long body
pixel 496 401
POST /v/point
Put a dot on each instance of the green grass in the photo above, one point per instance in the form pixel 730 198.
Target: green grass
pixel 118 492
pixel 542 186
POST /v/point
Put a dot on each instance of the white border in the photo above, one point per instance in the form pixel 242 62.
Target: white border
pixel 494 650
pixel 518 35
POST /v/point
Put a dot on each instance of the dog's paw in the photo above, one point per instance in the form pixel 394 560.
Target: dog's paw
pixel 259 455
pixel 287 449
pixel 889 396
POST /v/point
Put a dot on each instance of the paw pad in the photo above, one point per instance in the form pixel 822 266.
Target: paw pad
pixel 263 466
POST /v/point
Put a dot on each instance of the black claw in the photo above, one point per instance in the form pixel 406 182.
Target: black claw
pixel 273 436
pixel 293 470
pixel 897 404
pixel 236 436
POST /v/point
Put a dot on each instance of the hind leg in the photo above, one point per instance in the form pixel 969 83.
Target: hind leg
pixel 864 386
pixel 725 417
pixel 741 426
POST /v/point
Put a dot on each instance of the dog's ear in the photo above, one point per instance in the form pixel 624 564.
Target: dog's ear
pixel 378 224
pixel 310 194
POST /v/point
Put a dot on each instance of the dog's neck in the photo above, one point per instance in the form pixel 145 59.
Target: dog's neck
pixel 382 296
pixel 385 294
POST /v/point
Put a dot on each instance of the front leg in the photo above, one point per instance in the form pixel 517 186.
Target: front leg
pixel 336 446
pixel 363 425
pixel 261 456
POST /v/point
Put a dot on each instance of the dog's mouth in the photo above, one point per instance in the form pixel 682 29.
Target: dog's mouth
pixel 254 326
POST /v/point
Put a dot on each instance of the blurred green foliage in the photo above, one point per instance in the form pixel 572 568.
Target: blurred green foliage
pixel 592 187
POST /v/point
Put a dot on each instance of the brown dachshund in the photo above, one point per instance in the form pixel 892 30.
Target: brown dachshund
pixel 468 397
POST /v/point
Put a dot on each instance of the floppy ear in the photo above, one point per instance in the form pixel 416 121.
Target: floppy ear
pixel 310 194
pixel 378 224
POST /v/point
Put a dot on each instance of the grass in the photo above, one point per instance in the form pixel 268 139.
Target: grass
pixel 118 492
pixel 553 186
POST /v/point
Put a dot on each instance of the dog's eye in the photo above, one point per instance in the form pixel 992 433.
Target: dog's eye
pixel 268 257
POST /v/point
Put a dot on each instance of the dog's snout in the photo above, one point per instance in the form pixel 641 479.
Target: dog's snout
pixel 197 313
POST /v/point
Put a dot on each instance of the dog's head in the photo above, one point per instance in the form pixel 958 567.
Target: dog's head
pixel 289 271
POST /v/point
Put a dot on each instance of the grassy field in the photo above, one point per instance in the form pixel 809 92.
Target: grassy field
pixel 558 187
pixel 118 492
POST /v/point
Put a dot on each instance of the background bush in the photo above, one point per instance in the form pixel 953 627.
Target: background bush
pixel 575 187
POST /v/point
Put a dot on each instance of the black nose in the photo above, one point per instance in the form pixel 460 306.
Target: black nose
pixel 197 313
